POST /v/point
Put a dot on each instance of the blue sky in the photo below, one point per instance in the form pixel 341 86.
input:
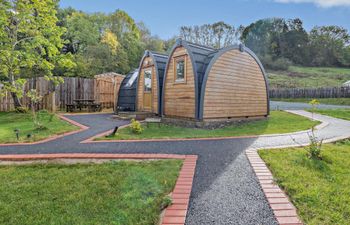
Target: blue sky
pixel 164 17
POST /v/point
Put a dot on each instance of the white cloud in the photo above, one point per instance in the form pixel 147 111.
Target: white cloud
pixel 322 3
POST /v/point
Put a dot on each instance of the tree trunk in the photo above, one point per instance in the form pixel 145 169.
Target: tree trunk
pixel 16 101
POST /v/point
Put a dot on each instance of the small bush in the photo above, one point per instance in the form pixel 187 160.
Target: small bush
pixel 314 150
pixel 275 64
pixel 21 110
pixel 136 127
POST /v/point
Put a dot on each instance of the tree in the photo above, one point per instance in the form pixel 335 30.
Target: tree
pixel 82 31
pixel 216 35
pixel 30 40
pixel 130 49
pixel 328 46
pixel 153 43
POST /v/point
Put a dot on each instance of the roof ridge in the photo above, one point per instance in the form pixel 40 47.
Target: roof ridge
pixel 201 46
pixel 159 54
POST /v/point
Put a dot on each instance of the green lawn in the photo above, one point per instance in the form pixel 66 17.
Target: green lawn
pixel 297 76
pixel 319 189
pixel 23 122
pixel 278 122
pixel 328 101
pixel 117 192
pixel 337 113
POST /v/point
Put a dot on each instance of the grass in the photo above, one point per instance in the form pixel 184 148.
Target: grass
pixel 23 122
pixel 318 188
pixel 327 101
pixel 117 192
pixel 337 113
pixel 297 76
pixel 278 122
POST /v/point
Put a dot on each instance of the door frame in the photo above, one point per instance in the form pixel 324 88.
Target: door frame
pixel 150 93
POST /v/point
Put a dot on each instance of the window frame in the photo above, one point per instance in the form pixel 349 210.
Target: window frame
pixel 150 70
pixel 176 60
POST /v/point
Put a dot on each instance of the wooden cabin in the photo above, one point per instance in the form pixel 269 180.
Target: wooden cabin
pixel 150 82
pixel 203 84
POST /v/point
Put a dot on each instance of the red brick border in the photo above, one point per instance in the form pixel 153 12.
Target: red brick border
pixel 284 211
pixel 54 137
pixel 176 213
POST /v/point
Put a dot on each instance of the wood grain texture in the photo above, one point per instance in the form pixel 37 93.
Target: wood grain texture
pixel 147 64
pixel 179 98
pixel 235 87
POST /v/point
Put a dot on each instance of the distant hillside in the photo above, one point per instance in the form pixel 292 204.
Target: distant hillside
pixel 308 77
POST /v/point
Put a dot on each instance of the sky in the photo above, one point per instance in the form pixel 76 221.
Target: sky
pixel 164 17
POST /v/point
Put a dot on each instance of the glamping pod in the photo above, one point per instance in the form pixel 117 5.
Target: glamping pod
pixel 127 92
pixel 206 84
pixel 150 82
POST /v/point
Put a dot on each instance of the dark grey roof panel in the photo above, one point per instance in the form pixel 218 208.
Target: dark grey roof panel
pixel 127 94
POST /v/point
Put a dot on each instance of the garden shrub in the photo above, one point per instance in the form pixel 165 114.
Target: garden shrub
pixel 136 127
pixel 314 150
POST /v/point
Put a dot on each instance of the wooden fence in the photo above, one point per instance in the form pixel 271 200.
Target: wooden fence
pixel 328 92
pixel 102 90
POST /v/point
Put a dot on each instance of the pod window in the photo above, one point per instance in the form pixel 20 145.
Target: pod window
pixel 180 69
pixel 148 81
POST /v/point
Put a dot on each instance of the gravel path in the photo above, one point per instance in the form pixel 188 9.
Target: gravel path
pixel 225 189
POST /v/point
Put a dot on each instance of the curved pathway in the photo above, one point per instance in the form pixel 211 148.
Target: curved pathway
pixel 225 189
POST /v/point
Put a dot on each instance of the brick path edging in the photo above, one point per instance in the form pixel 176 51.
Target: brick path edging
pixel 284 211
pixel 54 137
pixel 174 214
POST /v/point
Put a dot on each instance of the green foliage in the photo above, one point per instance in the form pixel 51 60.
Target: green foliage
pixel 314 149
pixel 136 127
pixel 166 201
pixel 280 38
pixel 275 64
pixel 312 77
pixel 216 35
pixel 117 192
pixel 30 42
pixel 318 188
pixel 337 113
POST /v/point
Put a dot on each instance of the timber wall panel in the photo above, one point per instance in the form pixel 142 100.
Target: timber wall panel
pixel 235 87
pixel 179 98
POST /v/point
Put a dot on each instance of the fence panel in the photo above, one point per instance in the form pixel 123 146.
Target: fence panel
pixel 53 97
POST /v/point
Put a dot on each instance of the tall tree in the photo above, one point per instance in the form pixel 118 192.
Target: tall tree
pixel 216 35
pixel 29 40
pixel 328 46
